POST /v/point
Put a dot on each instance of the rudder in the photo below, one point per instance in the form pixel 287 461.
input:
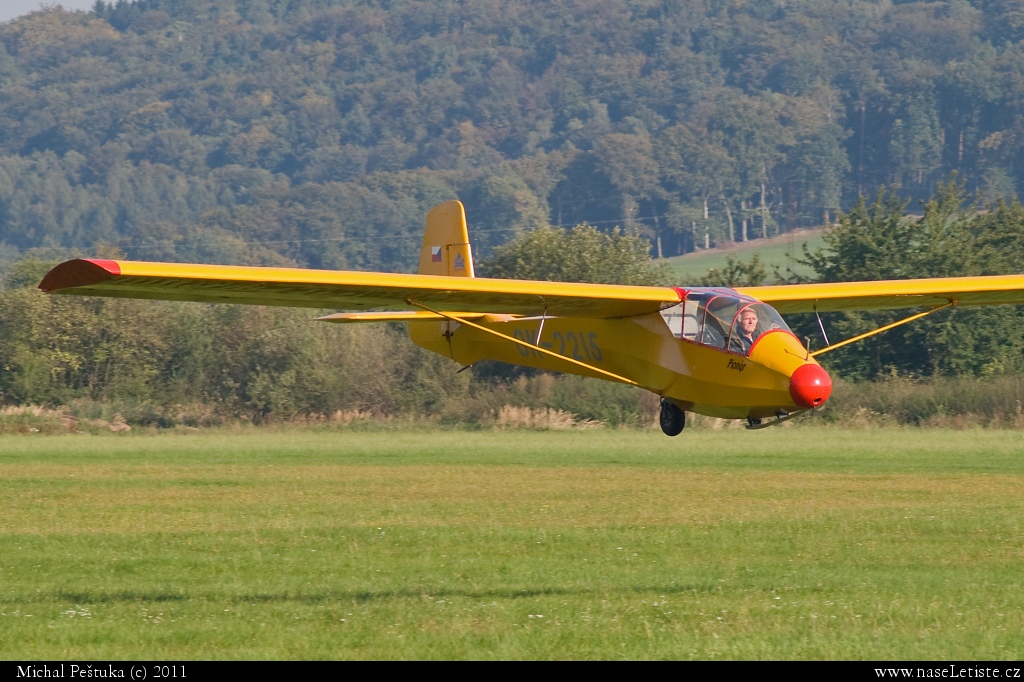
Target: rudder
pixel 446 250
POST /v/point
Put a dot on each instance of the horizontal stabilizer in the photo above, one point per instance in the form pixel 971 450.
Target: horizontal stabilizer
pixel 396 316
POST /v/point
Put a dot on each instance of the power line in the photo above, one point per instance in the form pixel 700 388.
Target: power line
pixel 229 240
pixel 185 241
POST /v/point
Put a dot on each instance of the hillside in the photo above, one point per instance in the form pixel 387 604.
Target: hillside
pixel 779 252
pixel 318 132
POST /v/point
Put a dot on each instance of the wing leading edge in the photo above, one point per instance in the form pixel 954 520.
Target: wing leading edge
pixel 296 287
pixel 360 291
pixel 891 294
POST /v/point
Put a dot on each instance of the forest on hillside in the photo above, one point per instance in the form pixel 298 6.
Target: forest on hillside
pixel 318 132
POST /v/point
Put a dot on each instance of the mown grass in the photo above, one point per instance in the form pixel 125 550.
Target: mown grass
pixel 776 252
pixel 793 543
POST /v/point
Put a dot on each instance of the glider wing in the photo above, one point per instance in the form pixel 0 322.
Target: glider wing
pixel 350 290
pixel 891 294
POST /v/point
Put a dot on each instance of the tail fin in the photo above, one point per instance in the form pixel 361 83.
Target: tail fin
pixel 446 249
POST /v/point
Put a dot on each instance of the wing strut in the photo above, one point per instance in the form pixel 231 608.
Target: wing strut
pixel 886 328
pixel 537 348
pixel 821 326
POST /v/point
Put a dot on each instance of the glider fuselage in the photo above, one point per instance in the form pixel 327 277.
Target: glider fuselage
pixel 696 377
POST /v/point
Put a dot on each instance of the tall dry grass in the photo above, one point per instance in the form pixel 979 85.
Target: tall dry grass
pixel 541 419
pixel 550 402
pixel 958 402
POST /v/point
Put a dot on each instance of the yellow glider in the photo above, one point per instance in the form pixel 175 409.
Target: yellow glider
pixel 720 352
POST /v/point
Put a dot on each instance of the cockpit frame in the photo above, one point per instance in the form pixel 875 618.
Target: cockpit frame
pixel 710 317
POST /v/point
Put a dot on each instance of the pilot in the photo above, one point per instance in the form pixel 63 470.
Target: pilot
pixel 746 331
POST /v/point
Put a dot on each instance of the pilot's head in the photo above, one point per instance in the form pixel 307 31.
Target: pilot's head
pixel 748 321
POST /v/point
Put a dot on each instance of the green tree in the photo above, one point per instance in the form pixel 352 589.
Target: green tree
pixel 500 206
pixel 697 168
pixel 582 254
pixel 736 273
pixel 916 144
pixel 628 162
pixel 880 241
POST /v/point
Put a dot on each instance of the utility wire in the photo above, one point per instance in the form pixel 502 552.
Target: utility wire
pixel 324 240
pixel 142 246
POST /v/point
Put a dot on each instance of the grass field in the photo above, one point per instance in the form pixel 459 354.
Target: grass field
pixel 778 252
pixel 796 543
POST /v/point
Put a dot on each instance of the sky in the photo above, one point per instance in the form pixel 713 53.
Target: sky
pixel 9 9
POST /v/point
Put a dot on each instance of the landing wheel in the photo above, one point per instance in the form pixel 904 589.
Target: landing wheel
pixel 672 419
pixel 753 421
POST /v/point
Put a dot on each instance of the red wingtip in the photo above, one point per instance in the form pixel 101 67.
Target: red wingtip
pixel 79 272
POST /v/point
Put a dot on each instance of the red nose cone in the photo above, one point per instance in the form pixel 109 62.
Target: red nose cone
pixel 810 386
